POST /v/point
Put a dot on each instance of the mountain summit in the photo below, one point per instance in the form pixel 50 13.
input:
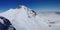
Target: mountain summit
pixel 23 18
pixel 19 14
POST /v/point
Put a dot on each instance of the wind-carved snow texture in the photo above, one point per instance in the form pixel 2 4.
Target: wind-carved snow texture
pixel 24 18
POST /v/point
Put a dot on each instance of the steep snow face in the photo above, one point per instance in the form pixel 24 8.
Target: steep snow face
pixel 19 18
pixel 1 21
pixel 24 19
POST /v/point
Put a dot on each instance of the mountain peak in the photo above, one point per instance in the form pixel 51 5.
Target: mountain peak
pixel 22 6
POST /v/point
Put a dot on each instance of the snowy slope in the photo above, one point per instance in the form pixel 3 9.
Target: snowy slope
pixel 23 19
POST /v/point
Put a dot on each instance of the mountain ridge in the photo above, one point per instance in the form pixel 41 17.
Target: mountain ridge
pixel 23 18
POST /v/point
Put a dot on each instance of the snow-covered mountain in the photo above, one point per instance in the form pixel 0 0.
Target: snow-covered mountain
pixel 23 18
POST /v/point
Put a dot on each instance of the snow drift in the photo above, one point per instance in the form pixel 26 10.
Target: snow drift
pixel 24 18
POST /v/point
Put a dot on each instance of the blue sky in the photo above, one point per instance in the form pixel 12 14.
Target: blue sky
pixel 33 4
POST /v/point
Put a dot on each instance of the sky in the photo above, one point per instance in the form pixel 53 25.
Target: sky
pixel 33 4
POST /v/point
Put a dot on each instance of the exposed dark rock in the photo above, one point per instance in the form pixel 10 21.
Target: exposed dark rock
pixel 57 12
